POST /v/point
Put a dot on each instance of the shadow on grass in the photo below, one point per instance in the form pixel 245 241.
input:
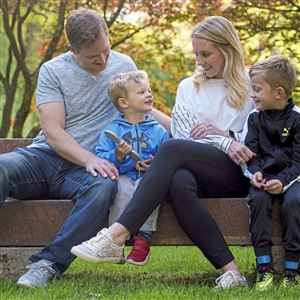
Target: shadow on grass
pixel 205 279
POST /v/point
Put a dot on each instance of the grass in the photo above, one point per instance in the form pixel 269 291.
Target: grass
pixel 171 273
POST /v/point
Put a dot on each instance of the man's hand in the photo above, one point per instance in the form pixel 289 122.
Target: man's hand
pixel 257 180
pixel 122 150
pixel 203 129
pixel 239 153
pixel 103 167
pixel 273 186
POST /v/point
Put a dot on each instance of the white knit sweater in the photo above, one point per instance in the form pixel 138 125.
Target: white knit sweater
pixel 208 104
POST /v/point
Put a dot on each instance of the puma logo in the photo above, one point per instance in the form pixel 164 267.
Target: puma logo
pixel 285 131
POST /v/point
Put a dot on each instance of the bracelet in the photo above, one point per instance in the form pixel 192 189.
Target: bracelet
pixel 231 134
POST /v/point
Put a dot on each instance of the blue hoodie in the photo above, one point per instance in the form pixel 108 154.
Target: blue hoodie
pixel 145 138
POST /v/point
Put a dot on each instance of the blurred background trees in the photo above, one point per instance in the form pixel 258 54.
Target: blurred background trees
pixel 156 34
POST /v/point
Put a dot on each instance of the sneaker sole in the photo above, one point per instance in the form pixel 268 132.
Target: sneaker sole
pixel 269 285
pixel 24 284
pixel 93 259
pixel 138 263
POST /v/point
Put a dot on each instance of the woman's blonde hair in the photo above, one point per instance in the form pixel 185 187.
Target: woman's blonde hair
pixel 222 33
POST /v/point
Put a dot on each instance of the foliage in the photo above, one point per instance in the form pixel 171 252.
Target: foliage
pixel 265 27
pixel 155 33
pixel 21 43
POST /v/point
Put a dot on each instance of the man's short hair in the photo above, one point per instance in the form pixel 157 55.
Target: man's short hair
pixel 119 85
pixel 277 71
pixel 83 27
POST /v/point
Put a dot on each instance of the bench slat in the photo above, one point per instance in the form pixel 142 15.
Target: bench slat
pixel 36 222
pixel 31 222
pixel 7 145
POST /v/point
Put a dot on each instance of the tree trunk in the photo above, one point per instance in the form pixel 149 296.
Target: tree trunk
pixel 7 111
pixel 25 106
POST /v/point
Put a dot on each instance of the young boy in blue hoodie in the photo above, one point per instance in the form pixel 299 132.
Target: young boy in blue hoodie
pixel 137 129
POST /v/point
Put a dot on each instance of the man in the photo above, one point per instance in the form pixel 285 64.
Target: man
pixel 73 105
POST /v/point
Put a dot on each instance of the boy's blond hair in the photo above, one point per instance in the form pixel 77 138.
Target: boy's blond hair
pixel 277 71
pixel 118 87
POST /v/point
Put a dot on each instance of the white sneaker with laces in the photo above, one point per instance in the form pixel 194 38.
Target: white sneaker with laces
pixel 230 279
pixel 100 249
pixel 38 275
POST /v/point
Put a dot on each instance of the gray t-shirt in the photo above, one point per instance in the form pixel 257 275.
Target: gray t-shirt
pixel 87 104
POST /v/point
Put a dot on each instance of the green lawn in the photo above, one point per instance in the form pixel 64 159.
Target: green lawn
pixel 171 273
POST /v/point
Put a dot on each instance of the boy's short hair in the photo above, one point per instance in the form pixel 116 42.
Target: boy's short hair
pixel 277 71
pixel 119 85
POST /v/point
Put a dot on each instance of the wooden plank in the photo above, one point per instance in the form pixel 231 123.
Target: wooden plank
pixel 7 145
pixel 231 215
pixel 36 222
pixel 32 223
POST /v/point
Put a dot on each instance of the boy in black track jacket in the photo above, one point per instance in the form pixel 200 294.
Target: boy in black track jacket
pixel 273 133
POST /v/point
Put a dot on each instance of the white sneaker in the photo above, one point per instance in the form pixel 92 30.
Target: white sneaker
pixel 100 249
pixel 38 275
pixel 230 279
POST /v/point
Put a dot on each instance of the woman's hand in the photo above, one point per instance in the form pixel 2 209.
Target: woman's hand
pixel 203 129
pixel 122 150
pixel 239 153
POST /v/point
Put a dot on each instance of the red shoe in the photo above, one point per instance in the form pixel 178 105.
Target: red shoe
pixel 140 251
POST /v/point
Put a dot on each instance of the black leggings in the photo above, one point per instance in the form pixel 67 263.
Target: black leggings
pixel 186 170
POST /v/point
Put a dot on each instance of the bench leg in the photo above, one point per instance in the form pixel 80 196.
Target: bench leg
pixel 13 261
pixel 278 259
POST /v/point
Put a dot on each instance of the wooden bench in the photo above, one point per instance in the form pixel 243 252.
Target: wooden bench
pixel 34 223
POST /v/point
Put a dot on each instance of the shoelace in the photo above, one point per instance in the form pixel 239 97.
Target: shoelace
pixel 262 276
pixel 291 280
pixel 226 277
pixel 95 240
pixel 41 267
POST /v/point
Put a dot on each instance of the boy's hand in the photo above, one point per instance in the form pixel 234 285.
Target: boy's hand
pixel 144 165
pixel 257 180
pixel 122 150
pixel 273 186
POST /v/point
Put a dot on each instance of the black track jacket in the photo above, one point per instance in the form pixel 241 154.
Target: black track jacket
pixel 274 135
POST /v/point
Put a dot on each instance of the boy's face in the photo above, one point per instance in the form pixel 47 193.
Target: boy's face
pixel 263 95
pixel 139 97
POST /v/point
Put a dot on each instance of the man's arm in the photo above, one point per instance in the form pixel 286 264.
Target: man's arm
pixel 52 118
pixel 162 118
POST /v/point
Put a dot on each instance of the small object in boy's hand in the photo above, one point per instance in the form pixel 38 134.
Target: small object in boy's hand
pixel 141 166
pixel 116 139
pixel 149 160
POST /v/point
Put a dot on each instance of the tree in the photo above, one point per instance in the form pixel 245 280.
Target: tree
pixel 15 14
pixel 21 18
pixel 265 27
pixel 146 30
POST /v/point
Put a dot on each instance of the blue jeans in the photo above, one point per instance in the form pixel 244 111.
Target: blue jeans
pixel 39 173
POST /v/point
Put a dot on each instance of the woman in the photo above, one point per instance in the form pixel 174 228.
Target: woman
pixel 203 158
